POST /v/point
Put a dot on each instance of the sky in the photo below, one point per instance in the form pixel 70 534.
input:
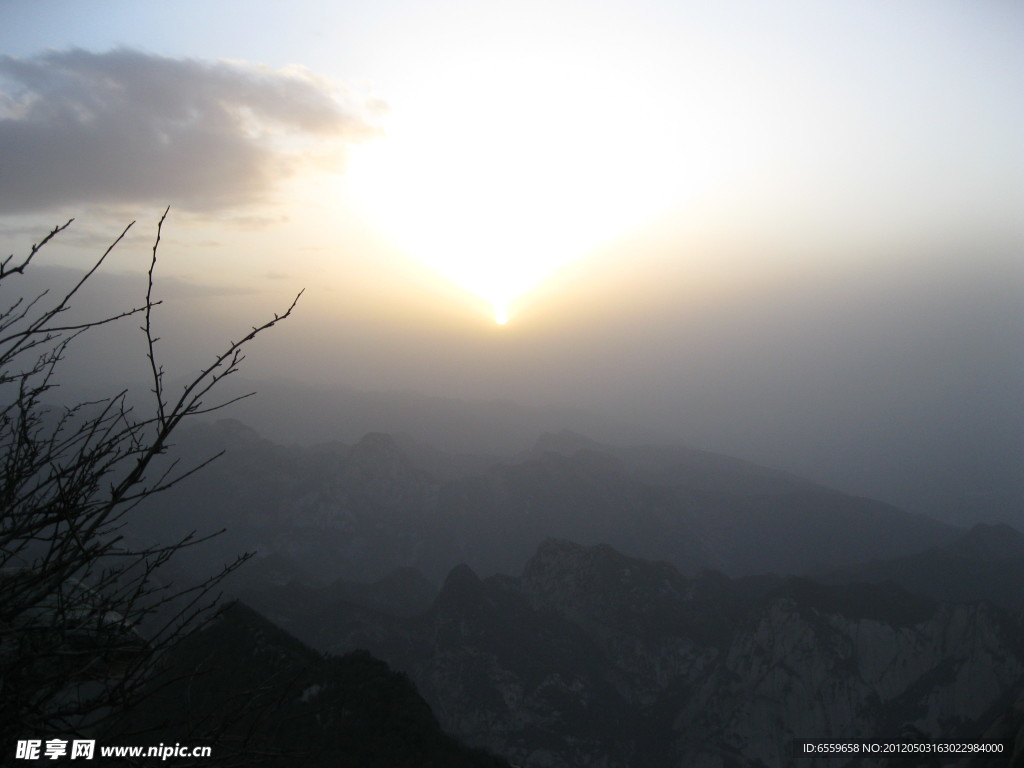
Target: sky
pixel 786 230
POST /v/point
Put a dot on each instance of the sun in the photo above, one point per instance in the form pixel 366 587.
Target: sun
pixel 498 191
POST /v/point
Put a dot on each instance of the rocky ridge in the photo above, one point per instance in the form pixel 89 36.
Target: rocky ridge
pixel 593 658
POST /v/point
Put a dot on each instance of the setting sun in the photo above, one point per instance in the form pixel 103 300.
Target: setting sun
pixel 517 181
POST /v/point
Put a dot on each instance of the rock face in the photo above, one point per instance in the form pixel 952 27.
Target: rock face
pixel 799 675
pixel 1008 729
pixel 592 658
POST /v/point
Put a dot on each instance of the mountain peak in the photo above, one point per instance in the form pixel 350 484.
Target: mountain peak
pixel 573 566
pixel 233 428
pixel 376 443
pixel 990 542
pixel 462 589
pixel 566 442
pixel 381 452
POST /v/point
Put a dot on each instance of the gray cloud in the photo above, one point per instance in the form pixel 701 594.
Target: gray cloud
pixel 125 126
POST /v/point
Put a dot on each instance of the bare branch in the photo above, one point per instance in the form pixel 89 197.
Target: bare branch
pixel 157 372
pixel 75 593
pixel 6 270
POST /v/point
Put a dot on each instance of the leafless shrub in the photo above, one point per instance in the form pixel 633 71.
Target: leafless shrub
pixel 74 591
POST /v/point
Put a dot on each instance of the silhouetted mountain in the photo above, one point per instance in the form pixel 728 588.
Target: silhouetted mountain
pixel 357 513
pixel 679 466
pixel 463 426
pixel 699 510
pixel 260 697
pixel 591 657
pixel 444 465
pixel 403 592
pixel 995 543
pixel 319 614
pixel 566 442
pixel 986 563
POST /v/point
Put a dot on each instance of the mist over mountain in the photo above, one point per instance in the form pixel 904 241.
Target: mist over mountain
pixel 541 571
pixel 986 563
pixel 580 602
pixel 566 589
pixel 360 511
pixel 900 385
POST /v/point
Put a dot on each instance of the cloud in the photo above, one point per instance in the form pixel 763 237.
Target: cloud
pixel 125 126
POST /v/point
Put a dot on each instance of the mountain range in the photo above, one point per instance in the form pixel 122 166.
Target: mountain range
pixel 590 657
pixel 358 512
pixel 588 604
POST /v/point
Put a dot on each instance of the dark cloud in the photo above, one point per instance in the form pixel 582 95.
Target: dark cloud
pixel 124 126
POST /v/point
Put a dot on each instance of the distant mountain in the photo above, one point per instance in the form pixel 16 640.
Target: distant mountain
pixel 678 466
pixel 318 615
pixel 986 563
pixel 591 657
pixel 992 543
pixel 462 426
pixel 692 508
pixel 260 697
pixel 358 512
pixel 403 592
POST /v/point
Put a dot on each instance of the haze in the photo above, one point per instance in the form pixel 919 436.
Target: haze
pixel 789 232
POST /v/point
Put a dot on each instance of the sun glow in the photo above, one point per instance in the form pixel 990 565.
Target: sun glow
pixel 507 176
